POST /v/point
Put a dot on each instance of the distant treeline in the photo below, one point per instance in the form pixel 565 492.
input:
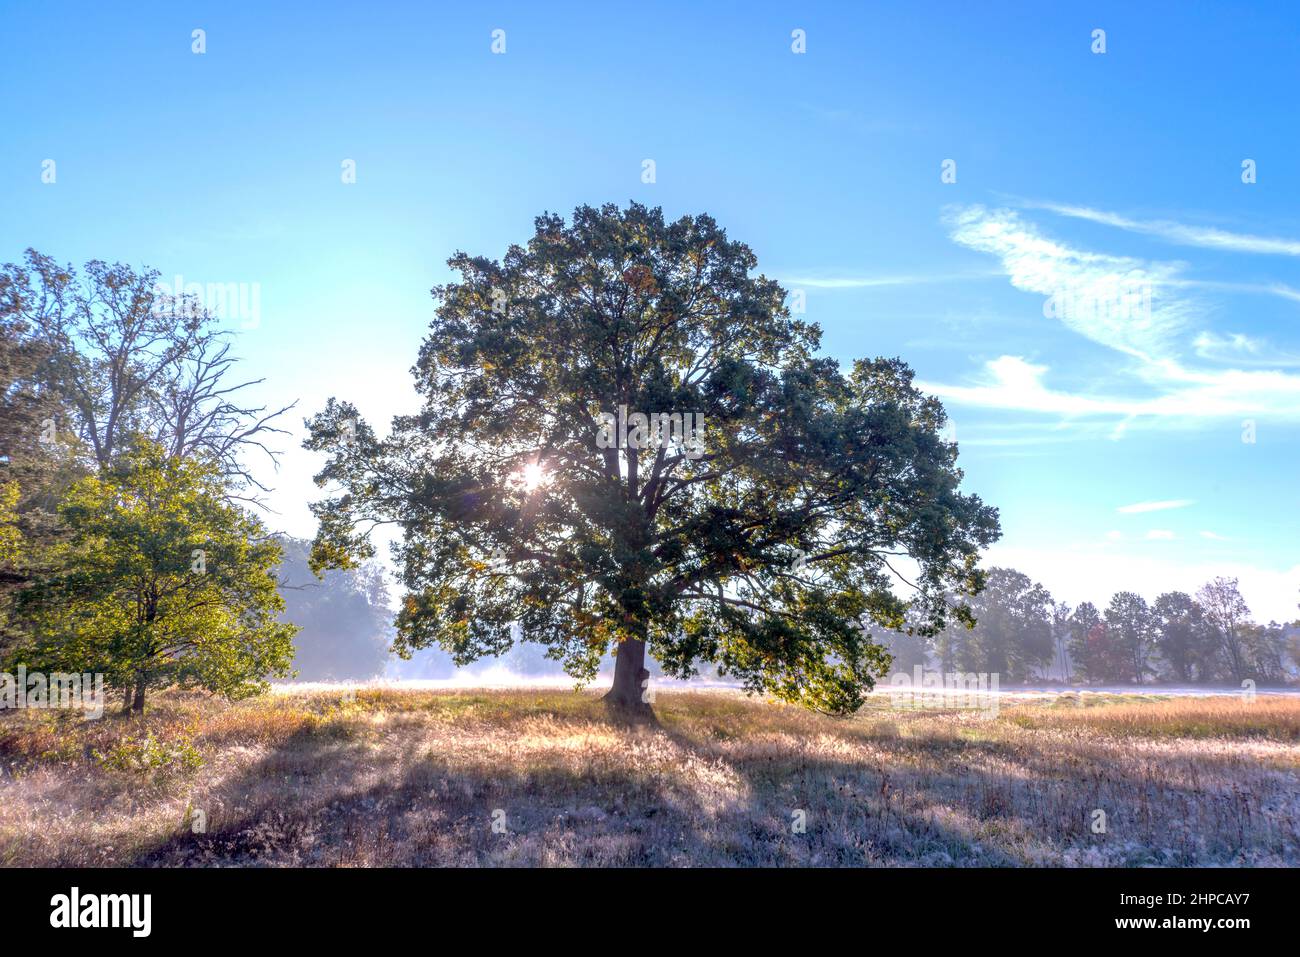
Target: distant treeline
pixel 1023 634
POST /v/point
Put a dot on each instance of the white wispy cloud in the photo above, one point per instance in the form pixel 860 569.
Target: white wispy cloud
pixel 870 282
pixel 1138 508
pixel 1153 335
pixel 1014 383
pixel 1118 301
pixel 1214 536
pixel 1242 349
pixel 1279 289
pixel 1205 237
pixel 1160 534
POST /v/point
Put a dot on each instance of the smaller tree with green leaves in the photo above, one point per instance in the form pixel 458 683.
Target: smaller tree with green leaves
pixel 1089 645
pixel 1184 637
pixel 161 582
pixel 1265 646
pixel 1132 629
pixel 1013 631
pixel 1228 614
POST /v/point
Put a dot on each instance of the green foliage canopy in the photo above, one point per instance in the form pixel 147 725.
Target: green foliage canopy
pixel 763 551
pixel 161 581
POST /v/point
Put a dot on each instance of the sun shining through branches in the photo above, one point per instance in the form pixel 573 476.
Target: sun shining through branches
pixel 715 491
pixel 532 476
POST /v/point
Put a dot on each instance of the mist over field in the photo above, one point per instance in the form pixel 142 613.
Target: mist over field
pixel 345 622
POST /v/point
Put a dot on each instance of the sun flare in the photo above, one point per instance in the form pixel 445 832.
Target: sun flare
pixel 532 476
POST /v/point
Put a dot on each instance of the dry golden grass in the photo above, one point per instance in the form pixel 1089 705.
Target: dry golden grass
pixel 408 778
pixel 1266 717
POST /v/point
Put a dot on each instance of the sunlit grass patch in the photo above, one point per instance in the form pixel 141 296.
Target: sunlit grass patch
pixel 1220 716
pixel 411 778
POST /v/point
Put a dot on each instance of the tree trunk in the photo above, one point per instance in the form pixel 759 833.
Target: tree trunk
pixel 126 700
pixel 1238 664
pixel 627 694
pixel 137 700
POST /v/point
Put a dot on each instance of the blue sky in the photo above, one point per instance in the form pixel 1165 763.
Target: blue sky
pixel 1107 187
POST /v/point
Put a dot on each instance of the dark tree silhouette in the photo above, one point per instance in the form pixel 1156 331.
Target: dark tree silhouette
pixel 751 512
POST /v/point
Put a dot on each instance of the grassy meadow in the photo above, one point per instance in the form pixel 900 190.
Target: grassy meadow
pixel 525 777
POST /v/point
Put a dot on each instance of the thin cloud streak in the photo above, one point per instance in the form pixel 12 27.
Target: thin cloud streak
pixel 1152 336
pixel 1014 383
pixel 1138 508
pixel 1117 301
pixel 1205 237
pixel 871 282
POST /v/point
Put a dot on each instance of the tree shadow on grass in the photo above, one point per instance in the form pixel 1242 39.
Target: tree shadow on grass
pixel 679 798
pixel 949 800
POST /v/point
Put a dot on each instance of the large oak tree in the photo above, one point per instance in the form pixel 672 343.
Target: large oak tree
pixel 770 547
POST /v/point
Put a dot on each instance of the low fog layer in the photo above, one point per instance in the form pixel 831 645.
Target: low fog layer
pixel 346 622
